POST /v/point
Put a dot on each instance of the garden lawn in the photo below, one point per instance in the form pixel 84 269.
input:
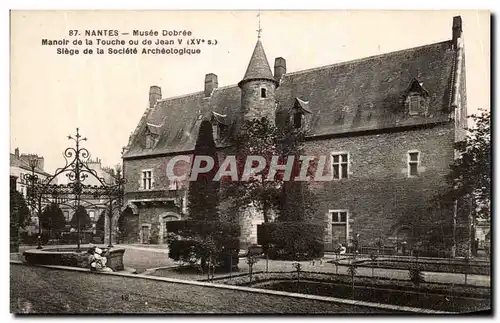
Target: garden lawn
pixel 43 290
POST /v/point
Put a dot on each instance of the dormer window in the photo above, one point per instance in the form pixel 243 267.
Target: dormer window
pixel 149 141
pixel 416 99
pixel 298 113
pixel 216 131
pixel 297 120
pixel 414 105
pixel 151 135
pixel 219 125
pixel 263 93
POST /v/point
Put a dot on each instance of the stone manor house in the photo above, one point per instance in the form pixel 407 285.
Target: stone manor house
pixel 387 122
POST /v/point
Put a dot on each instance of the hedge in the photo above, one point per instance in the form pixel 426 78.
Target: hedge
pixel 291 240
pixel 185 240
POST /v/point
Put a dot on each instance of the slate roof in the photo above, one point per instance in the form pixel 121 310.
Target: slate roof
pixel 258 67
pixel 24 164
pixel 364 94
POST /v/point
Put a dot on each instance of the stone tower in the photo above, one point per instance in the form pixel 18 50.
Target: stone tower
pixel 258 87
pixel 258 99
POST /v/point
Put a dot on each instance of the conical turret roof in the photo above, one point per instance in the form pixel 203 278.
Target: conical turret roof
pixel 258 68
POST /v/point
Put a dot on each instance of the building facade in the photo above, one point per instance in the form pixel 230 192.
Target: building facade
pixel 387 124
pixel 19 167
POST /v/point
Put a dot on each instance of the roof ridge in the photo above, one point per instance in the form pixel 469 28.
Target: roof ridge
pixel 357 60
pixel 194 93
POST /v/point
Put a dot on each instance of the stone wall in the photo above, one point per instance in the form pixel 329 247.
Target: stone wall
pixel 378 193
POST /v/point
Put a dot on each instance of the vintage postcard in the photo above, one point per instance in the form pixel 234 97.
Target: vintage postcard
pixel 250 162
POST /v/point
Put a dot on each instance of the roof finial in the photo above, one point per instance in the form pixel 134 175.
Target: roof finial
pixel 259 30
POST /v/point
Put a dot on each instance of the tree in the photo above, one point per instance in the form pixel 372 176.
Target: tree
pixel 203 196
pixel 19 211
pixel 298 267
pixel 203 205
pixel 466 268
pixel 256 137
pixel 470 174
pixel 19 216
pixel 52 219
pixel 469 182
pixel 99 226
pixel 251 260
pixel 373 258
pixel 81 218
pixel 416 276
pixel 352 270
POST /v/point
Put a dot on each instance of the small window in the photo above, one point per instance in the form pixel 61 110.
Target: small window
pixel 297 120
pixel 414 105
pixel 340 165
pixel 91 215
pixel 339 217
pixel 413 163
pixel 215 131
pixel 149 141
pixel 146 180
pixel 262 93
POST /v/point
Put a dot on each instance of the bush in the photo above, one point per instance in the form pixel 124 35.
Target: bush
pixel 186 241
pixel 292 240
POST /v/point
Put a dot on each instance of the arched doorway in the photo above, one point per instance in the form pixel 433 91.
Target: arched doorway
pixel 163 219
pixel 403 236
pixel 128 226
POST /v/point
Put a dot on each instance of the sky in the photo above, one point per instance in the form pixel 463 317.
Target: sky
pixel 105 95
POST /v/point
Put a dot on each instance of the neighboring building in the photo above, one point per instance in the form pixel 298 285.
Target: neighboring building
pixel 19 167
pixel 388 124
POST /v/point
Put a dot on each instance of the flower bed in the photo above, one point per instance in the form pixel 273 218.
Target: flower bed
pixel 380 290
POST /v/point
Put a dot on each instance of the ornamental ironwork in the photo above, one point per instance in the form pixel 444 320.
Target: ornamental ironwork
pixel 76 192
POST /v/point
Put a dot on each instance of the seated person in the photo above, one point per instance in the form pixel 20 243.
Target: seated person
pixel 98 260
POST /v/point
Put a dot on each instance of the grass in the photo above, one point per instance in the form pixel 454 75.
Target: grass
pixel 42 290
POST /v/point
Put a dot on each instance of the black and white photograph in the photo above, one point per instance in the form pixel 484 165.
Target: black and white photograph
pixel 324 162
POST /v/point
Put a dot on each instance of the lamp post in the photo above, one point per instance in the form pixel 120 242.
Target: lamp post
pixel 33 181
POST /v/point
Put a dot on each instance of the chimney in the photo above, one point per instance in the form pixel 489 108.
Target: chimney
pixel 457 30
pixel 40 163
pixel 211 83
pixel 279 68
pixel 16 152
pixel 154 95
